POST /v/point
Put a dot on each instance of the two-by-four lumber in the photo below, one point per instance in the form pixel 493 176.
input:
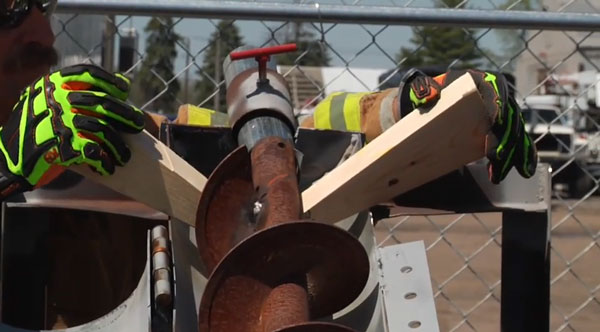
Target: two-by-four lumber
pixel 155 176
pixel 419 148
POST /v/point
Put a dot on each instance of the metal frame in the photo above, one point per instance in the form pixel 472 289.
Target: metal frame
pixel 383 15
pixel 525 290
pixel 526 224
pixel 525 204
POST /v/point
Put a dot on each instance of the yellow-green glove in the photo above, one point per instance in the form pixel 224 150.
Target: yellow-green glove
pixel 72 116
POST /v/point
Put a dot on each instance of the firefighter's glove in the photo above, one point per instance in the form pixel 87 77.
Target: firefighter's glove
pixel 72 116
pixel 507 144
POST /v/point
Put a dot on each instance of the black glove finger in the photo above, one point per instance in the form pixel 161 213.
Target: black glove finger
pixel 405 88
pixel 501 145
pixel 121 116
pixel 424 91
pixel 499 169
pixel 508 133
pixel 493 89
pixel 104 135
pixel 100 79
pixel 98 158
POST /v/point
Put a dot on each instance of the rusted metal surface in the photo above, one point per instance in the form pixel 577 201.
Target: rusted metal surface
pixel 329 262
pixel 275 181
pixel 286 305
pixel 232 207
pixel 225 212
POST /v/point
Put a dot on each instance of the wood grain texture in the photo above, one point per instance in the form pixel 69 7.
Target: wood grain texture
pixel 424 145
pixel 155 176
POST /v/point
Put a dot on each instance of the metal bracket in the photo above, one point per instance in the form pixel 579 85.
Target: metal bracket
pixel 406 288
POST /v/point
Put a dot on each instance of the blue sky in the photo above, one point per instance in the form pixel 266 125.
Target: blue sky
pixel 347 40
pixel 351 42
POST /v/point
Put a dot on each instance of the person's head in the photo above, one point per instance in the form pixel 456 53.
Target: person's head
pixel 26 40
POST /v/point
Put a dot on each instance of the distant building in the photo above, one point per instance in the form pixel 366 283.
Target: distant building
pixel 128 49
pixel 564 53
pixel 78 39
pixel 308 85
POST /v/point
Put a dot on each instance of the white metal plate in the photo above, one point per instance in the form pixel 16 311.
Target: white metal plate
pixel 406 287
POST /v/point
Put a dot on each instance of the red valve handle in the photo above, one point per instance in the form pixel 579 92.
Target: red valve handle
pixel 264 51
pixel 262 55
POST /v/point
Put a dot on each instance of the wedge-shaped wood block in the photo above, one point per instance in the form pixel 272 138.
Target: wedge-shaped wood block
pixel 421 147
pixel 155 176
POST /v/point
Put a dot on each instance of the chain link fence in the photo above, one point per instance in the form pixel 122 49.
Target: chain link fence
pixel 176 60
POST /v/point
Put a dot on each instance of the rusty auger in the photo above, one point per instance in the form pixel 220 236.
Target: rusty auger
pixel 269 270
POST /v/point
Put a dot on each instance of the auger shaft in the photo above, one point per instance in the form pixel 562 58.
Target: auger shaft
pixel 271 271
pixel 273 163
pixel 286 305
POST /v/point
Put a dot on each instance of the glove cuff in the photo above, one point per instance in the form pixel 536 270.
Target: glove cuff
pixel 405 105
pixel 11 184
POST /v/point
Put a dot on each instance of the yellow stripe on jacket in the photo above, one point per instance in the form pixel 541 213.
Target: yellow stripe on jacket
pixel 368 112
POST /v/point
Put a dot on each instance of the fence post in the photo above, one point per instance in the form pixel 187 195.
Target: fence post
pixel 525 296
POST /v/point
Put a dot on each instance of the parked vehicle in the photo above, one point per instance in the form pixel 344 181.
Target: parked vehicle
pixel 559 143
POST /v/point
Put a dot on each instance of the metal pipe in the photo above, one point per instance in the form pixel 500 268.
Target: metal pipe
pixel 258 100
pixel 380 15
pixel 286 305
pixel 258 128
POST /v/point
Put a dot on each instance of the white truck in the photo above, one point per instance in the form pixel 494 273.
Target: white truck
pixel 558 142
pixel 587 85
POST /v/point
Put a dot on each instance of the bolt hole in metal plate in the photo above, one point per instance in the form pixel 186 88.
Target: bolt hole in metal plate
pixel 414 324
pixel 406 287
pixel 410 296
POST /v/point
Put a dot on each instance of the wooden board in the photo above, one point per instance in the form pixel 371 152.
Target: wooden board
pixel 155 176
pixel 419 148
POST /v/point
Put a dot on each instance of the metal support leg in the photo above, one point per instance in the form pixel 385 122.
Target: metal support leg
pixel 525 271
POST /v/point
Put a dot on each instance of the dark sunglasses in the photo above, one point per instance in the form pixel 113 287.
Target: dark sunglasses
pixel 14 12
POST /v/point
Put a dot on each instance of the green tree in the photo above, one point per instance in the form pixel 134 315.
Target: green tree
pixel 441 45
pixel 157 67
pixel 310 51
pixel 222 41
